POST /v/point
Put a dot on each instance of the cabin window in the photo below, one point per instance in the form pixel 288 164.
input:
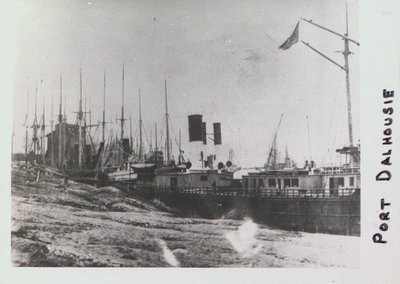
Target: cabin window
pixel 295 182
pixel 271 182
pixel 351 181
pixel 336 182
pixel 173 182
pixel 286 182
pixel 246 183
pixel 260 183
pixel 203 178
pixel 254 182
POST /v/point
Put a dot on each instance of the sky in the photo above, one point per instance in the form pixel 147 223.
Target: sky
pixel 220 59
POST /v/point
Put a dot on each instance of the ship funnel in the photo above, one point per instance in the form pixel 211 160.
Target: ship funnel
pixel 217 133
pixel 204 133
pixel 195 127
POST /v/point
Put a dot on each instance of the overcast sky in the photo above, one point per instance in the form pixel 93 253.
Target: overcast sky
pixel 220 59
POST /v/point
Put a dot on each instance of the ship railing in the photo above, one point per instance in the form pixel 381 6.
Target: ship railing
pixel 302 192
pixel 251 192
pixel 341 170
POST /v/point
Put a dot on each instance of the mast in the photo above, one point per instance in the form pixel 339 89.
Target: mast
pixel 35 127
pixel 122 106
pixel 42 135
pixel 170 149
pixel 130 132
pixel 151 142
pixel 52 134
pixel 155 136
pixel 65 155
pixel 60 128
pixel 180 148
pixel 346 54
pixel 140 129
pixel 26 128
pixel 166 123
pixel 122 119
pixel 273 151
pixel 80 117
pixel 90 114
pixel 84 130
pixel 104 109
pixel 345 68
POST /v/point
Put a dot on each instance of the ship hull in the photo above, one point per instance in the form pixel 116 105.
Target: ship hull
pixel 332 215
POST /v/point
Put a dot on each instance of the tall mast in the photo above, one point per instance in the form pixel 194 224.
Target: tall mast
pixel 346 54
pixel 155 136
pixel 104 109
pixel 64 133
pixel 26 127
pixel 84 124
pixel 90 112
pixel 180 148
pixel 42 152
pixel 52 134
pixel 345 68
pixel 65 106
pixel 166 122
pixel 151 141
pixel 80 117
pixel 140 129
pixel 122 119
pixel 180 140
pixel 122 106
pixel 35 127
pixel 60 128
pixel 130 132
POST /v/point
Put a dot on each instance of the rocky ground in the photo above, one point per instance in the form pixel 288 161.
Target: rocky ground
pixel 80 225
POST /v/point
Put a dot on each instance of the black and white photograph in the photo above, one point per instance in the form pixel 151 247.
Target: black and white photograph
pixel 192 134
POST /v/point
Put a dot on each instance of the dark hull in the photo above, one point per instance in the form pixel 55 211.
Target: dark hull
pixel 333 215
pixel 92 177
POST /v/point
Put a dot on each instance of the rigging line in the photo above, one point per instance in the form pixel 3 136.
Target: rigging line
pixel 145 134
pixel 345 37
pixel 162 135
pixel 136 134
pixel 161 131
pixel 88 133
pixel 173 132
pixel 341 105
pixel 330 125
pixel 120 148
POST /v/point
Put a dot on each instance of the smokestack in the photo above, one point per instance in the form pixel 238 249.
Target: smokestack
pixel 204 133
pixel 195 127
pixel 196 146
pixel 218 153
pixel 217 133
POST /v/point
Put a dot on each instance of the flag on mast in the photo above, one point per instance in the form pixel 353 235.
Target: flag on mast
pixel 292 39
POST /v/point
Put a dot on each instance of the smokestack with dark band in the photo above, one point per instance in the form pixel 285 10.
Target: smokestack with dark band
pixel 217 133
pixel 204 133
pixel 195 127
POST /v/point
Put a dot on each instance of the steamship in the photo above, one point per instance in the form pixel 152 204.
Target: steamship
pixel 308 198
